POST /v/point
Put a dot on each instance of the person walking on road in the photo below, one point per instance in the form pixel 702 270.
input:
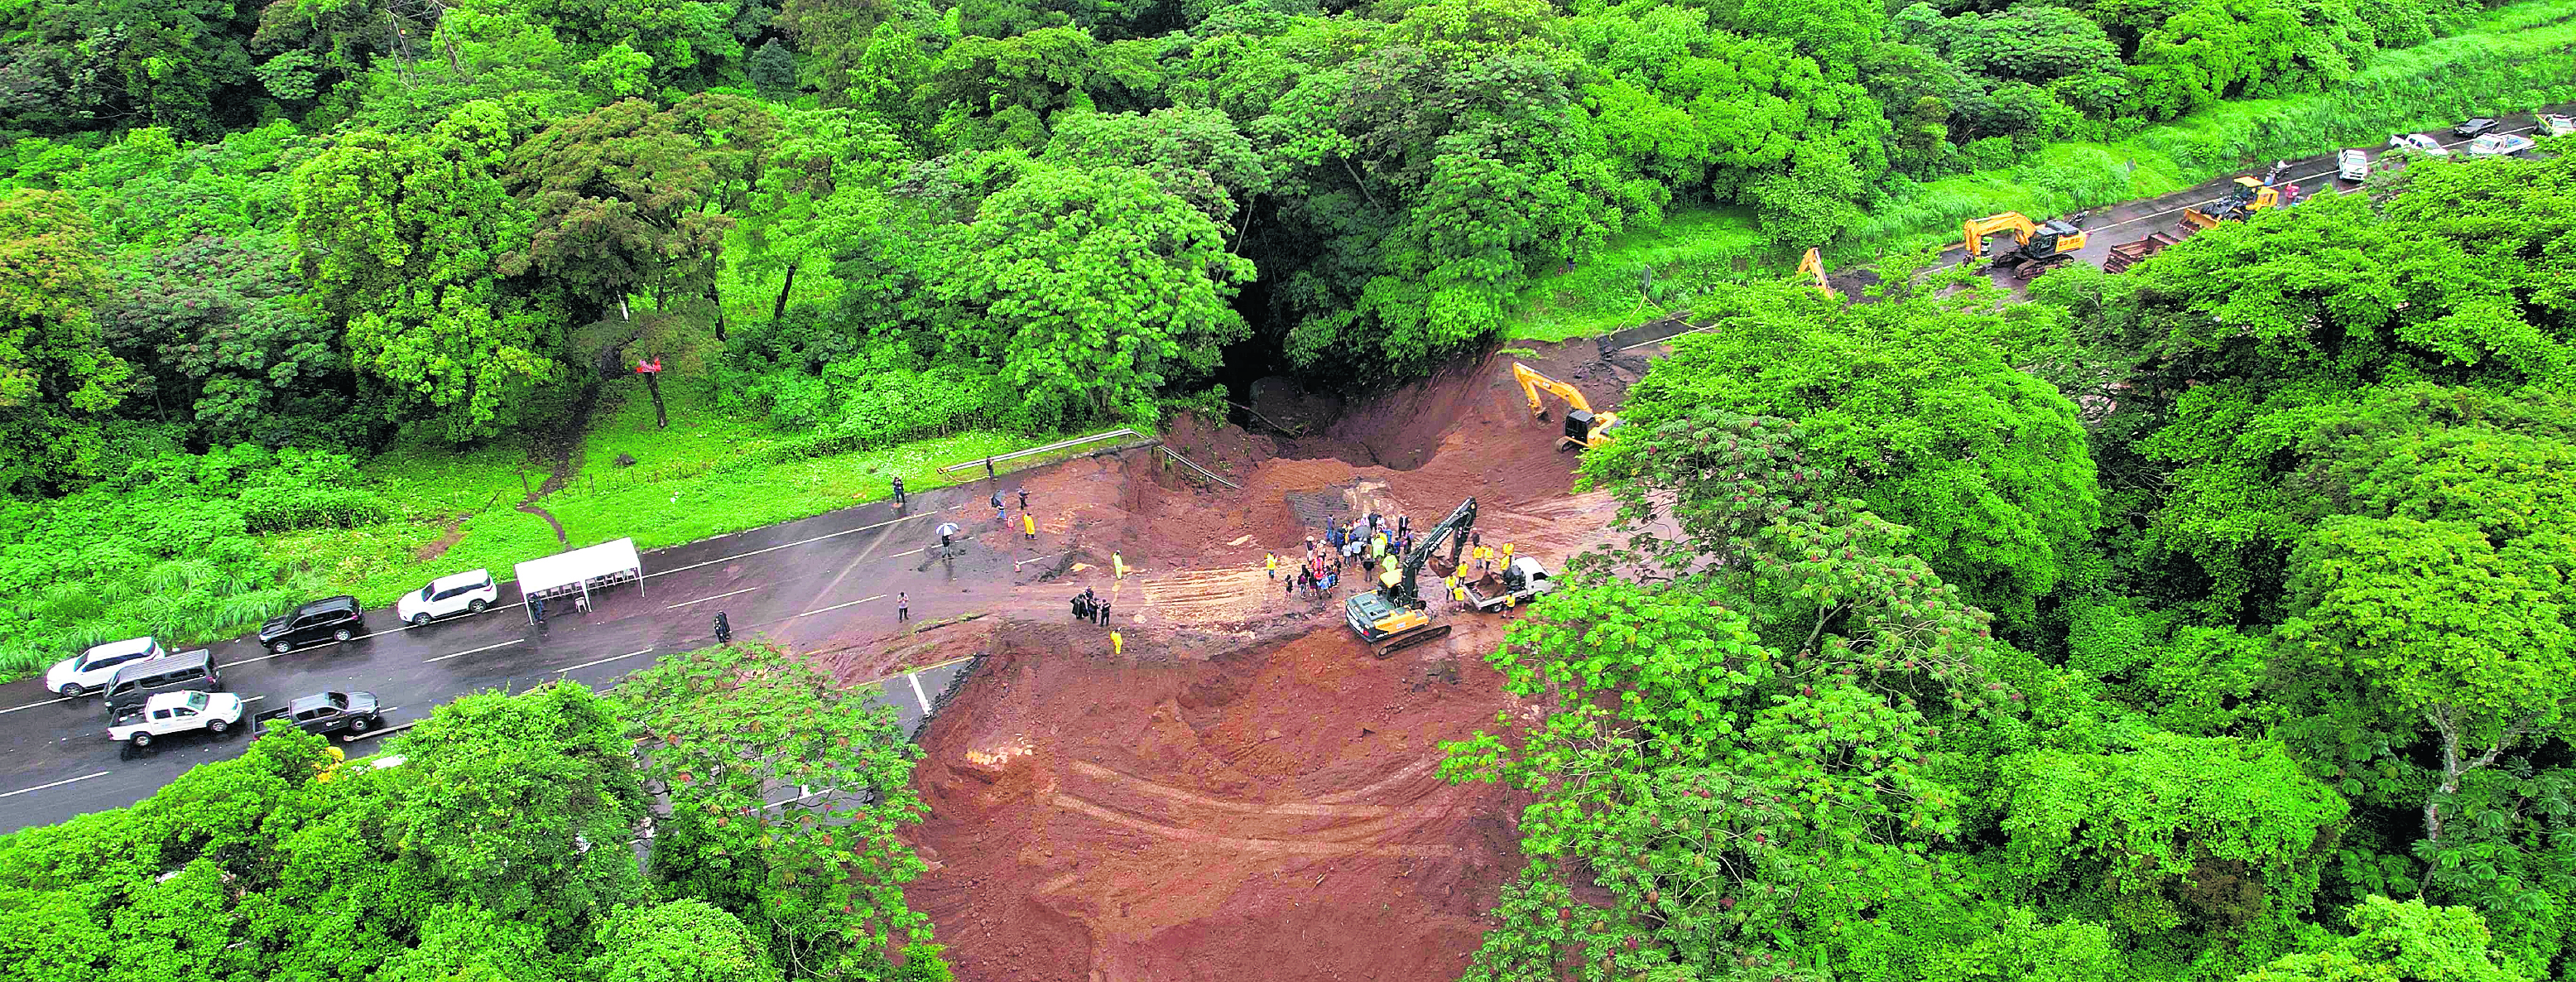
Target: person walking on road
pixel 1024 499
pixel 998 515
pixel 1271 563
pixel 898 491
pixel 1104 612
pixel 1292 588
pixel 902 606
pixel 1117 645
pixel 1028 526
pixel 988 468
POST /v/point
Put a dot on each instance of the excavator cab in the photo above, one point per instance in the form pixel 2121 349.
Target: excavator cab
pixel 1584 428
pixel 2037 246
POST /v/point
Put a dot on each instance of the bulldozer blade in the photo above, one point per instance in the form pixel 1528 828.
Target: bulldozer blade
pixel 1412 638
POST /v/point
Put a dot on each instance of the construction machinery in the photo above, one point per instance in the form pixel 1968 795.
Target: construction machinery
pixel 2129 254
pixel 2037 246
pixel 1584 428
pixel 2251 195
pixel 1393 617
pixel 1814 265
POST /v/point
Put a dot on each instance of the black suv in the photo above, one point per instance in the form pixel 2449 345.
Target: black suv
pixel 2474 128
pixel 330 712
pixel 331 619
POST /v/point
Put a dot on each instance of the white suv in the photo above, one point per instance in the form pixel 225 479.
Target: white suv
pixel 90 670
pixel 463 593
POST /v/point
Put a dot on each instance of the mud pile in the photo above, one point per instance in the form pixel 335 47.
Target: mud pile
pixel 1244 792
pixel 1270 813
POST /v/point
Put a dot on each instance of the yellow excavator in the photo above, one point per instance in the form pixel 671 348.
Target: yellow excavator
pixel 1814 265
pixel 2037 246
pixel 2251 195
pixel 1394 617
pixel 1583 427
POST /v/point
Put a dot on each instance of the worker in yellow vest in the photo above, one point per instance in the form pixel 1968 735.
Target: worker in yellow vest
pixel 1272 563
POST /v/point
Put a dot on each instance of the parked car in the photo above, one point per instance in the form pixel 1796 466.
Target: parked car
pixel 177 712
pixel 329 619
pixel 2352 165
pixel 330 712
pixel 447 596
pixel 2499 145
pixel 2419 143
pixel 2556 125
pixel 2474 127
pixel 136 682
pixel 91 670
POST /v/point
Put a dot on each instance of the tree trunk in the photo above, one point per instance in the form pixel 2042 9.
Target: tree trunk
pixel 717 298
pixel 653 384
pixel 779 309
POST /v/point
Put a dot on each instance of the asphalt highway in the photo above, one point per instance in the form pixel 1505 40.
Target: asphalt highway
pixel 798 583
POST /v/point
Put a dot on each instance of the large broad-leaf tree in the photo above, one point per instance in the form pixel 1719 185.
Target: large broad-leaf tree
pixel 1917 400
pixel 784 791
pixel 409 243
pixel 1095 289
pixel 57 378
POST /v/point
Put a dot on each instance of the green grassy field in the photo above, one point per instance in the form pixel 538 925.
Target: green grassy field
pixel 700 478
pixel 1691 250
pixel 2513 59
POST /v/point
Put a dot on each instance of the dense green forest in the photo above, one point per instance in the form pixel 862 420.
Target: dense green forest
pixel 2203 622
pixel 2208 621
pixel 245 247
pixel 491 843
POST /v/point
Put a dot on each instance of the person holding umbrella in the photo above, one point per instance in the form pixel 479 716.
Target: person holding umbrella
pixel 947 532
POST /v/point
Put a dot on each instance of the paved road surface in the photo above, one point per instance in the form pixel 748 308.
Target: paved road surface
pixel 799 583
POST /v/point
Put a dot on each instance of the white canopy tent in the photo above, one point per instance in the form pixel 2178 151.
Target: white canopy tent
pixel 578 572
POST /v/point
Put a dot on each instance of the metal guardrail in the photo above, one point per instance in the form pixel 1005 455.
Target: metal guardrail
pixel 1049 448
pixel 1193 465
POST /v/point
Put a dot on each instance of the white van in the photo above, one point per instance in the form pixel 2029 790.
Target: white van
pixel 2352 165
pixel 90 670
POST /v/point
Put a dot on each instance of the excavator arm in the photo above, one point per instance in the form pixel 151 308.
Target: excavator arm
pixel 1814 265
pixel 1401 589
pixel 1975 230
pixel 1532 382
pixel 1583 427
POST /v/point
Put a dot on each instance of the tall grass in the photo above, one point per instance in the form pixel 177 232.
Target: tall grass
pixel 1693 250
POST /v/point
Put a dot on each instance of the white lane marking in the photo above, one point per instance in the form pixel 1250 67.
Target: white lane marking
pixel 861 600
pixel 32 705
pixel 484 648
pixel 56 784
pixel 917 694
pixel 791 545
pixel 604 661
pixel 701 600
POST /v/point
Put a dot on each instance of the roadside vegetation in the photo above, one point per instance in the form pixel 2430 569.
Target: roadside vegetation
pixel 2203 622
pixel 498 839
pixel 2512 59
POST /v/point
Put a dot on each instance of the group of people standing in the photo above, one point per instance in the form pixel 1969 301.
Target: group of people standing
pixel 1090 607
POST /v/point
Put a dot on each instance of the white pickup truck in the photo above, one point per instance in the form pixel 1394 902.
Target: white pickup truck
pixel 1519 583
pixel 177 712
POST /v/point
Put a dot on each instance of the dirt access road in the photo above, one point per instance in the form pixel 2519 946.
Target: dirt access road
pixel 1244 792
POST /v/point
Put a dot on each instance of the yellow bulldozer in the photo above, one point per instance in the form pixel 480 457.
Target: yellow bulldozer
pixel 1584 428
pixel 2037 246
pixel 2251 195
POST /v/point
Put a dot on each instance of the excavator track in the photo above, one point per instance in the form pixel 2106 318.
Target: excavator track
pixel 1418 636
